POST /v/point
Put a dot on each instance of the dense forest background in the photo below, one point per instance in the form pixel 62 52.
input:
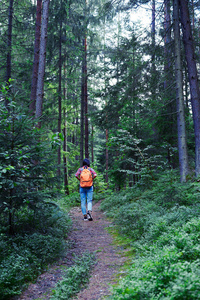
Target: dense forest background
pixel 113 81
pixel 99 84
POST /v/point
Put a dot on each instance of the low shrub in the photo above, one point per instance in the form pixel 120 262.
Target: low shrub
pixel 168 191
pixel 115 202
pixel 160 276
pixel 164 227
pixel 149 213
pixel 168 269
pixel 39 241
pixel 75 278
pixel 15 270
pixel 176 251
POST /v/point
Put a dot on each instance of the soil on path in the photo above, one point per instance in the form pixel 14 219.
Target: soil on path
pixel 89 236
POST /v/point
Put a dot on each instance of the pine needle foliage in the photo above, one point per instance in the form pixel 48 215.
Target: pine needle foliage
pixel 26 169
pixel 32 226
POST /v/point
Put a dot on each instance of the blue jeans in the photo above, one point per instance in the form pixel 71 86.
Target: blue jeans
pixel 86 193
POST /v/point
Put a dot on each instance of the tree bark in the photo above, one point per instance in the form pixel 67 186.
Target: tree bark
pixel 169 89
pixel 153 34
pixel 107 157
pixel 153 48
pixel 193 78
pixel 66 185
pixel 9 45
pixel 107 153
pixel 92 144
pixel 85 84
pixel 182 142
pixel 167 40
pixel 86 101
pixel 42 62
pixel 9 40
pixel 82 116
pixel 36 57
pixel 59 95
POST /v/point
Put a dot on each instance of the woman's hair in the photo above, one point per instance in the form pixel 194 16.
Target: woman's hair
pixel 86 162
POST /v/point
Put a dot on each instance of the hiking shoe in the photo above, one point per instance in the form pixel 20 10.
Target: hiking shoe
pixel 85 218
pixel 89 216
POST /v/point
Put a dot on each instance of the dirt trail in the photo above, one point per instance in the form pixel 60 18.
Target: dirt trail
pixel 85 236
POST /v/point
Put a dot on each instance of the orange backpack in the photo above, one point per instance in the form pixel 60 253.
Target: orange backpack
pixel 86 179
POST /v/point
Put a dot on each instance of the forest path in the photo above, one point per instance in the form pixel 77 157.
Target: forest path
pixel 85 236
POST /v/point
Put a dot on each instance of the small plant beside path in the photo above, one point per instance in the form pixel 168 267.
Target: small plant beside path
pixel 75 278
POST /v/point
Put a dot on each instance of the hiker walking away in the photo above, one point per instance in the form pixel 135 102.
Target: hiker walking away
pixel 86 175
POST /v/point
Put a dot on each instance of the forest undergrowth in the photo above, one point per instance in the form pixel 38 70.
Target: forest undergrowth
pixel 162 226
pixel 159 223
pixel 27 254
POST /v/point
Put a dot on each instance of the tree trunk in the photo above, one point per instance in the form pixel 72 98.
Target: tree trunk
pixel 167 40
pixel 42 62
pixel 169 89
pixel 9 45
pixel 193 19
pixel 153 48
pixel 66 185
pixel 86 90
pixel 82 116
pixel 153 34
pixel 77 135
pixel 193 79
pixel 182 143
pixel 199 36
pixel 36 57
pixel 107 153
pixel 60 96
pixel 85 84
pixel 86 102
pixel 9 41
pixel 92 145
pixel 107 157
